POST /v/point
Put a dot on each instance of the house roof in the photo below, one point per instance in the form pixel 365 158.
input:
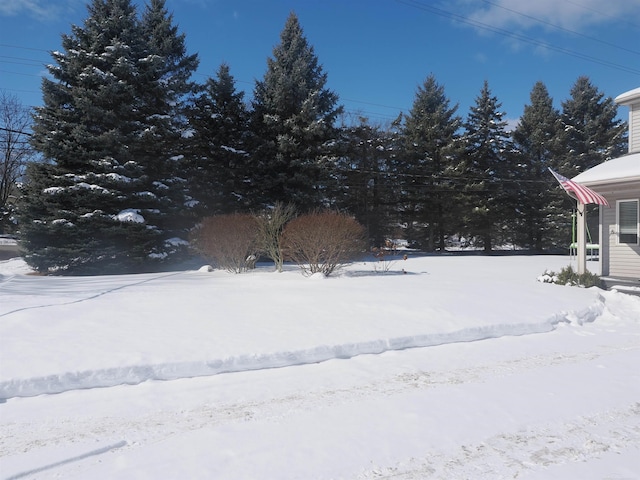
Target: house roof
pixel 621 169
pixel 627 98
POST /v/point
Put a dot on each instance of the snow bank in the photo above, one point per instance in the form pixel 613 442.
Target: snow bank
pixel 89 332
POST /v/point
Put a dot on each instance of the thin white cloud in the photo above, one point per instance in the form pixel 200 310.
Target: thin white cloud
pixel 575 15
pixel 204 4
pixel 43 10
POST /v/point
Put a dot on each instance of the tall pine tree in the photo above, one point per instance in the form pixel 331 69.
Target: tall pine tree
pixel 593 134
pixel 430 133
pixel 164 94
pixel 218 156
pixel 104 202
pixel 538 140
pixel 486 170
pixel 365 184
pixel 293 117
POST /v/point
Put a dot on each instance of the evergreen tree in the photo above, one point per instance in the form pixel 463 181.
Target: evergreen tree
pixel 538 141
pixel 364 181
pixel 430 133
pixel 294 115
pixel 104 202
pixel 593 134
pixel 218 152
pixel 486 170
pixel 164 94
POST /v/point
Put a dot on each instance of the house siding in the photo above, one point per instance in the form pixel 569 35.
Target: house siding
pixel 623 259
pixel 634 129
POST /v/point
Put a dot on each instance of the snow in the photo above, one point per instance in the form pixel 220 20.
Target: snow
pixel 458 366
pixel 90 186
pixel 53 190
pixel 177 242
pixel 116 177
pixel 233 150
pixel 625 168
pixel 629 97
pixel 130 215
pixel 160 186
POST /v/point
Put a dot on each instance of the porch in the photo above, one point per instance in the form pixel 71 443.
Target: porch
pixel 623 285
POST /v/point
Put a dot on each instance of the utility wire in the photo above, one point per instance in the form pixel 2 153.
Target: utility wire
pixel 10 130
pixel 573 32
pixel 36 62
pixel 517 36
pixel 604 14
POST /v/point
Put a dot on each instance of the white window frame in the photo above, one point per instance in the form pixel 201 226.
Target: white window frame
pixel 637 202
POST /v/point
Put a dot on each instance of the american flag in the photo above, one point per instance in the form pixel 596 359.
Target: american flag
pixel 583 194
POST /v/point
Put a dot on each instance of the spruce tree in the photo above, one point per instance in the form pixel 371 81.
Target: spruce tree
pixel 104 200
pixel 293 117
pixel 430 133
pixel 593 134
pixel 218 156
pixel 486 170
pixel 365 185
pixel 538 139
pixel 164 95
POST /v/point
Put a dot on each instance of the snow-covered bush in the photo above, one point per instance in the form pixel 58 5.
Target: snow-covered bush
pixel 568 276
pixel 322 242
pixel 548 277
pixel 230 241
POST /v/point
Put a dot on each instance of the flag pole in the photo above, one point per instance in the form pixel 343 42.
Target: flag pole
pixel 581 251
pixel 582 195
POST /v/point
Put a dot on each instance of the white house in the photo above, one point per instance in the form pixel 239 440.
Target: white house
pixel 618 180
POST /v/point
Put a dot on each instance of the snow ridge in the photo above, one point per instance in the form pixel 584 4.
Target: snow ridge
pixel 136 374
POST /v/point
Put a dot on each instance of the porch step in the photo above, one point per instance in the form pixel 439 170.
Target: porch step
pixel 623 285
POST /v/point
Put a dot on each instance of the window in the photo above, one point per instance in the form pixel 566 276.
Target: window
pixel 628 221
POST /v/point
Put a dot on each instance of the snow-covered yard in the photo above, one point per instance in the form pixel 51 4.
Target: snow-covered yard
pixel 445 367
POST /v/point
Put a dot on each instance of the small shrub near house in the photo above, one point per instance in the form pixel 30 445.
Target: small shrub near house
pixel 229 241
pixel 322 242
pixel 568 276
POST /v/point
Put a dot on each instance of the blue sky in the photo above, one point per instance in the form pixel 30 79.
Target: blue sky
pixel 375 52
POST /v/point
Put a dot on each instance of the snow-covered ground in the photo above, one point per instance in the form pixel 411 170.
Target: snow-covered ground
pixel 445 367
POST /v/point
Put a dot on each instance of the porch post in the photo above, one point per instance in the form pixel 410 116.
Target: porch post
pixel 581 240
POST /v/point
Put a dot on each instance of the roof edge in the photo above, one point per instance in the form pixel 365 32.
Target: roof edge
pixel 627 98
pixel 610 181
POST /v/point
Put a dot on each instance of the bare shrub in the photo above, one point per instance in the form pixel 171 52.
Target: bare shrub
pixel 271 225
pixel 322 242
pixel 230 241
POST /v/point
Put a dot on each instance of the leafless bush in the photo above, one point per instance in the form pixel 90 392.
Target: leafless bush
pixel 230 241
pixel 322 242
pixel 271 225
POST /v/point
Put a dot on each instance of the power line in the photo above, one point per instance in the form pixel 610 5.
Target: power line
pixel 517 36
pixel 23 48
pixel 36 63
pixel 603 14
pixel 19 132
pixel 30 60
pixel 573 32
pixel 19 73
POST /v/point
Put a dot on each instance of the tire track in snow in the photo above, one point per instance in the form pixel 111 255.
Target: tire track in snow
pixel 531 449
pixel 14 286
pixel 17 437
